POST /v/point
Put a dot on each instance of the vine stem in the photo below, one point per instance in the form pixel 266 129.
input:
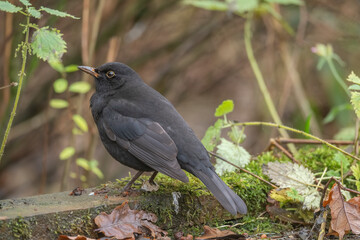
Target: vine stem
pixel 21 78
pixel 260 79
pixel 269 124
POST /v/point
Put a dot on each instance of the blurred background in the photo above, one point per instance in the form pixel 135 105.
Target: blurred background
pixel 195 57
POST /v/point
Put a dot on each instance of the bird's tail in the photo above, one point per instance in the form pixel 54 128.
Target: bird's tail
pixel 227 198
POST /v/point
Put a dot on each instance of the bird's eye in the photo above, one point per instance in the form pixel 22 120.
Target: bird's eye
pixel 110 74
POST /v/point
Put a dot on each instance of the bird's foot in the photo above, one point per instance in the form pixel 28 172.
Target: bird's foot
pixel 150 186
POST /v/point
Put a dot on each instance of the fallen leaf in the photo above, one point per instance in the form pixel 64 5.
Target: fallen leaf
pixel 64 237
pixel 123 222
pixel 345 216
pixel 214 233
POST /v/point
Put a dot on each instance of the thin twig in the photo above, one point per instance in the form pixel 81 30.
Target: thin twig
pixel 242 169
pixel 12 84
pixel 289 155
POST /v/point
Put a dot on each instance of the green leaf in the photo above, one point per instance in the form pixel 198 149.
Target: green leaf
pixel 342 160
pixel 57 13
pixel 58 103
pixel 334 112
pixel 354 87
pixel 33 12
pixel 93 166
pixel 80 122
pixel 225 107
pixel 71 68
pixel 356 173
pixel 60 85
pixel 82 162
pixel 208 4
pixel 25 2
pixel 77 131
pixel 212 135
pixel 285 2
pixel 294 194
pixel 57 66
pixel 233 153
pixel 80 87
pixel 236 135
pixel 347 133
pixel 67 153
pixel 9 7
pixel 48 45
pixel 242 6
pixel 307 124
pixel 355 101
pixel 353 78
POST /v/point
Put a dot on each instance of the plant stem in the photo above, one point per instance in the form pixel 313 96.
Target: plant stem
pixel 337 76
pixel 264 90
pixel 21 78
pixel 296 131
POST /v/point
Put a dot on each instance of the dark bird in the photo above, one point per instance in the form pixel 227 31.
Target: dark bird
pixel 141 129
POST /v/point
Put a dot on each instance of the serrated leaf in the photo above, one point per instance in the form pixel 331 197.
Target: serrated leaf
pixel 80 87
pixel 60 85
pixel 58 103
pixel 67 153
pixel 48 45
pixel 9 7
pixel 289 175
pixel 80 122
pixel 286 2
pixel 356 173
pixel 71 68
pixel 311 199
pixel 57 13
pixel 233 153
pixel 342 160
pixel 242 6
pixel 294 194
pixel 212 135
pixel 353 78
pixel 225 107
pixel 354 87
pixel 355 101
pixel 33 12
pixel 84 163
pixel 208 4
pixel 25 2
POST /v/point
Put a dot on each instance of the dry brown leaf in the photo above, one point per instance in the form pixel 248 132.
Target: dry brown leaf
pixel 123 222
pixel 214 233
pixel 64 237
pixel 345 216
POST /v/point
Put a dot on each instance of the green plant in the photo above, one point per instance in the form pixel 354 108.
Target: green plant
pixel 247 9
pixel 47 44
pixel 60 86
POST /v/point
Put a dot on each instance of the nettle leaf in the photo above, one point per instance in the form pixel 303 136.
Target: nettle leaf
pixel 9 7
pixel 208 4
pixel 58 103
pixel 25 2
pixel 48 45
pixel 71 68
pixel 355 101
pixel 60 85
pixel 289 175
pixel 225 107
pixel 33 12
pixel 356 173
pixel 212 135
pixel 67 153
pixel 236 135
pixel 57 13
pixel 311 199
pixel 80 122
pixel 233 153
pixel 80 87
pixel 353 78
pixel 286 2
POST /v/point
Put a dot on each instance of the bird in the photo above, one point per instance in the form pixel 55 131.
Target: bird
pixel 141 129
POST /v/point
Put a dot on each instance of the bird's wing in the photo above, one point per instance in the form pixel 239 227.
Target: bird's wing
pixel 146 140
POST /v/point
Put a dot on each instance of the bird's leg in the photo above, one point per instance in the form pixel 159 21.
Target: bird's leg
pixel 151 179
pixel 137 175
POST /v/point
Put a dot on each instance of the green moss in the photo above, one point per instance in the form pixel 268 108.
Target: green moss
pixel 21 228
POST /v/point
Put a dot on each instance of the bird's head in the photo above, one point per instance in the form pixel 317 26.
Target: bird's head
pixel 110 76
